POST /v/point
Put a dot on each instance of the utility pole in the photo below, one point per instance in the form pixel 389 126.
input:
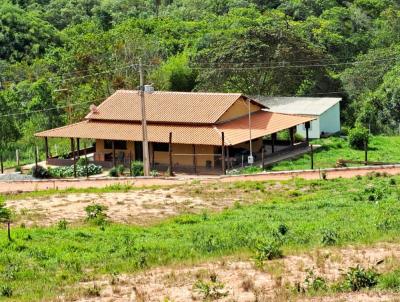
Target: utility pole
pixel 250 160
pixel 146 166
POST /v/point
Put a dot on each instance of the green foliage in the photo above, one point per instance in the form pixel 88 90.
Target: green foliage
pixel 314 283
pixel 68 171
pixel 212 289
pixel 6 290
pixel 358 137
pixel 62 224
pixel 40 172
pixel 358 278
pixel 267 250
pixel 95 213
pixel 329 237
pixel 137 168
pixel 117 171
pixel 390 281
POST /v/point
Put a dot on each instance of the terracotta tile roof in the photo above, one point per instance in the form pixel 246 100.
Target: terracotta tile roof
pixel 263 123
pixel 171 107
pixel 201 135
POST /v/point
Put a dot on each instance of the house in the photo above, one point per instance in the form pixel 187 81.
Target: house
pixel 326 110
pixel 187 131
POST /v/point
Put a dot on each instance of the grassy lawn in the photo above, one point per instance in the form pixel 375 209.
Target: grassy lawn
pixel 381 148
pixel 43 262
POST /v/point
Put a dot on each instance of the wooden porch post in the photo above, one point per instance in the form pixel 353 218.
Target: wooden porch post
pixel 223 154
pixel 228 157
pixel 113 152
pixel 262 158
pixel 152 156
pixel 73 154
pixel 46 145
pixel 273 139
pixel 86 160
pixel 307 126
pixel 171 173
pixel 291 134
pixel 130 163
pixel 194 159
pixel 78 147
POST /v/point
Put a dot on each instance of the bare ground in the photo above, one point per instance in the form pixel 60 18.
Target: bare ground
pixel 135 207
pixel 244 282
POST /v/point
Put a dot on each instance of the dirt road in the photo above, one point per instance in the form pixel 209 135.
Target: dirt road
pixel 27 186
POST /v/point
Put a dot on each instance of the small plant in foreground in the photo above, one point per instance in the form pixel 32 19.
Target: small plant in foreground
pixel 95 213
pixel 6 291
pixel 329 237
pixel 267 250
pixel 212 289
pixel 40 172
pixel 62 224
pixel 358 278
pixel 93 291
pixel 137 168
pixel 314 282
pixel 5 217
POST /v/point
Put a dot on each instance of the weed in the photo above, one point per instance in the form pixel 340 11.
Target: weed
pixel 329 237
pixel 93 291
pixel 95 214
pixel 62 224
pixel 211 289
pixel 358 278
pixel 313 282
pixel 283 229
pixel 267 250
pixel 6 290
pixel 390 281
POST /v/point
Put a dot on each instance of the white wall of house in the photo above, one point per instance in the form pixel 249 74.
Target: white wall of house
pixel 327 122
pixel 313 132
pixel 330 120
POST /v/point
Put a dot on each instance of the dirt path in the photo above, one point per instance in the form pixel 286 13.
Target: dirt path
pixel 244 282
pixel 26 186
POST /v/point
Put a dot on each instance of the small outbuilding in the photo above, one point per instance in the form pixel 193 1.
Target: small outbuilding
pixel 325 109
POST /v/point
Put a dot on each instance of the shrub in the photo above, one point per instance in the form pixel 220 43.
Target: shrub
pixel 121 170
pixel 113 172
pixel 210 290
pixel 82 162
pixel 62 224
pixel 267 251
pixel 95 213
pixel 6 290
pixel 390 281
pixel 329 237
pixel 40 172
pixel 283 229
pixel 314 282
pixel 358 278
pixel 154 173
pixel 137 168
pixel 357 138
pixel 61 172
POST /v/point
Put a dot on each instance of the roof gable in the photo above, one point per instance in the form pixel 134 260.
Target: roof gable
pixel 168 107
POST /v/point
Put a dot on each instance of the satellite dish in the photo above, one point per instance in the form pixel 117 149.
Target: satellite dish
pixel 94 109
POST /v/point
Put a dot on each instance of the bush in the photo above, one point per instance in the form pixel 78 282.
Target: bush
pixel 95 213
pixel 62 224
pixel 329 237
pixel 210 290
pixel 357 138
pixel 267 251
pixel 113 172
pixel 40 172
pixel 137 168
pixel 358 278
pixel 62 172
pixel 6 290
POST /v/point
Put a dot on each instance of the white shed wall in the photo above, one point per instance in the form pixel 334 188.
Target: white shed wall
pixel 330 120
pixel 313 132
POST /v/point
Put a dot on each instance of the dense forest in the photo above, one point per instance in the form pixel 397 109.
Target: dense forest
pixel 59 56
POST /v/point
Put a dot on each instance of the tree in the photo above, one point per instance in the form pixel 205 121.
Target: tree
pixel 5 217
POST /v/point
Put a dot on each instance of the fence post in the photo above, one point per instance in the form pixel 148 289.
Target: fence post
pixel 36 157
pixel 73 154
pixel 223 153
pixel 17 157
pixel 86 160
pixel 171 173
pixel 262 158
pixel 1 162
pixel 366 151
pixel 130 163
pixel 312 157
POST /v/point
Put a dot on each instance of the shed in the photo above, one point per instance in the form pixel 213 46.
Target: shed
pixel 325 109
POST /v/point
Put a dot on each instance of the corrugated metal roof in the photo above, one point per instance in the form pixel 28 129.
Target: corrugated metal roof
pixel 298 105
pixel 162 106
pixel 236 131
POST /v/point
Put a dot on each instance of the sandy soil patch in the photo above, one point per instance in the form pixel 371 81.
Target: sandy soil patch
pixel 136 207
pixel 243 282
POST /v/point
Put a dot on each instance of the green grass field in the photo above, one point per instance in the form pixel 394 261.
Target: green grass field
pixel 381 148
pixel 41 263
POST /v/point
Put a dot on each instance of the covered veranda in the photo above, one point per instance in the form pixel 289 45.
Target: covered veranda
pixel 198 149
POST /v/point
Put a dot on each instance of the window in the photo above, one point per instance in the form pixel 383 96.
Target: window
pixel 163 147
pixel 119 145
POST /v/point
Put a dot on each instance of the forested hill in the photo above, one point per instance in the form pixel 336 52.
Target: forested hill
pixel 59 56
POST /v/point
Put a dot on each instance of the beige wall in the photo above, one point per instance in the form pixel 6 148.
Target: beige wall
pixel 181 154
pixel 238 109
